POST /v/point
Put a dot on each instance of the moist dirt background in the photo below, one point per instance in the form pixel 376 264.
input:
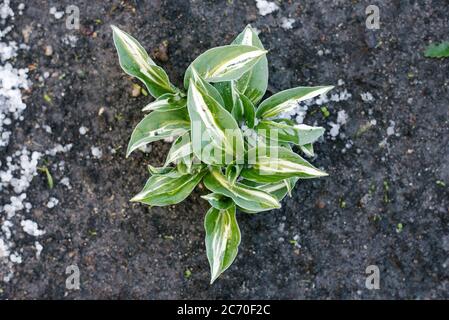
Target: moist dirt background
pixel 385 203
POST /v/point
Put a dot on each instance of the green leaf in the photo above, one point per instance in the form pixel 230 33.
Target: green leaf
pixel 158 125
pixel 167 102
pixel 233 171
pixel 245 197
pixel 237 104
pixel 213 129
pixel 307 149
pixel 222 239
pixel 288 99
pixel 290 184
pixel 205 87
pixel 243 109
pixel 224 63
pixel 253 84
pixel 440 50
pixel 277 189
pixel 249 111
pixel 287 131
pixel 278 163
pixel 163 171
pixel 218 201
pixel 166 189
pixel 135 61
pixel 181 149
pixel 48 175
pixel 225 90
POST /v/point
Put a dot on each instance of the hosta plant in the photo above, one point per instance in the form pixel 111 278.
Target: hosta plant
pixel 225 137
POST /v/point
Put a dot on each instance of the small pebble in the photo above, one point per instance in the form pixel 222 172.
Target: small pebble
pixel 48 51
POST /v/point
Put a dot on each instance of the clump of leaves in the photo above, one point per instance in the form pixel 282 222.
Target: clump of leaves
pixel 440 50
pixel 238 146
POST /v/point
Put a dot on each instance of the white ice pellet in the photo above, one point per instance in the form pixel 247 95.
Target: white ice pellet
pixel 70 40
pixel 47 128
pixel 287 23
pixel 82 130
pixel 146 148
pixel 335 129
pixel 367 97
pixel 57 14
pixel 266 7
pixel 96 152
pixel 4 249
pixel 6 229
pixel 66 182
pixel 39 248
pixel 31 228
pixel 342 117
pixel 59 148
pixel 390 129
pixel 52 202
pixel 15 258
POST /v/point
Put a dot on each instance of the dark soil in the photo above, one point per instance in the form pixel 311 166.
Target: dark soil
pixel 130 251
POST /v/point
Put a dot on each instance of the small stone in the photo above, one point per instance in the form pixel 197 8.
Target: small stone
pixel 320 204
pixel 26 32
pixel 48 51
pixel 161 52
pixel 136 90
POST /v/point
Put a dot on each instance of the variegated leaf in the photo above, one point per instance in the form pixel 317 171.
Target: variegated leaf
pixel 290 184
pixel 243 109
pixel 287 100
pixel 277 163
pixel 205 87
pixel 237 104
pixel 245 197
pixel 158 125
pixel 135 61
pixel 218 201
pixel 180 149
pixel 249 111
pixel 288 131
pixel 224 63
pixel 225 90
pixel 277 189
pixel 167 171
pixel 213 128
pixel 167 189
pixel 233 171
pixel 253 84
pixel 307 149
pixel 167 102
pixel 222 239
